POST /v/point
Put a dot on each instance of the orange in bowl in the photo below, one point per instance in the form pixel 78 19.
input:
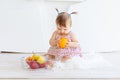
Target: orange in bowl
pixel 28 59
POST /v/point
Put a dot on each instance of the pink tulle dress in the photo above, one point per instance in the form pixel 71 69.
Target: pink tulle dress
pixel 69 51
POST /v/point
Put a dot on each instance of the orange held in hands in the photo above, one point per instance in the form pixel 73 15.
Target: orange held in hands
pixel 63 42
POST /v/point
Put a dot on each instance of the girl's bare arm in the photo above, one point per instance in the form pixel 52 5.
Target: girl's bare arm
pixel 53 41
pixel 74 42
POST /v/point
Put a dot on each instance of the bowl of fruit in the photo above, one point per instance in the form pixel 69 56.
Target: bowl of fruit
pixel 36 61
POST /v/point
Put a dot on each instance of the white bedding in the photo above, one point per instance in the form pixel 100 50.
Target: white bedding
pixel 88 61
pixel 11 67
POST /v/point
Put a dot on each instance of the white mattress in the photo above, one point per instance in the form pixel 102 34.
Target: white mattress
pixel 11 67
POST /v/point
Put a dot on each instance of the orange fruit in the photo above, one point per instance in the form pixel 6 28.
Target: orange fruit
pixel 62 43
pixel 29 59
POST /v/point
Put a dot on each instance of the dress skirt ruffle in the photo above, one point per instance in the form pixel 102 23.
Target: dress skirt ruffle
pixel 70 51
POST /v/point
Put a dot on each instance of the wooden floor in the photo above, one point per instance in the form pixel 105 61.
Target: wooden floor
pixel 9 61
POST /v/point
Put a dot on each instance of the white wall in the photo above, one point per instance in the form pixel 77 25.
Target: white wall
pixel 26 25
pixel 97 24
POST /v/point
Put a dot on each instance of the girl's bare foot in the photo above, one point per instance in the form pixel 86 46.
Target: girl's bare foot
pixel 50 64
pixel 65 58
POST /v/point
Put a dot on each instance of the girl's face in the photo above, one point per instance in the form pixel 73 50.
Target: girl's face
pixel 63 30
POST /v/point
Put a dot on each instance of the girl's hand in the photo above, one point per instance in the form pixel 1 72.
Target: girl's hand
pixel 57 42
pixel 72 44
pixel 69 44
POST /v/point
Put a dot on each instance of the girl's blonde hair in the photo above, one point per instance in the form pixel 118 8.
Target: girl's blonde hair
pixel 64 19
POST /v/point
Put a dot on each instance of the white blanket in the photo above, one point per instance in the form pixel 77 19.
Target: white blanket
pixel 88 61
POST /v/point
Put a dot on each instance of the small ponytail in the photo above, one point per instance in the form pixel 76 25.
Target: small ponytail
pixel 73 13
pixel 57 10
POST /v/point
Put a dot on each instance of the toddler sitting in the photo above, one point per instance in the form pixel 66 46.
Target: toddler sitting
pixel 63 42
